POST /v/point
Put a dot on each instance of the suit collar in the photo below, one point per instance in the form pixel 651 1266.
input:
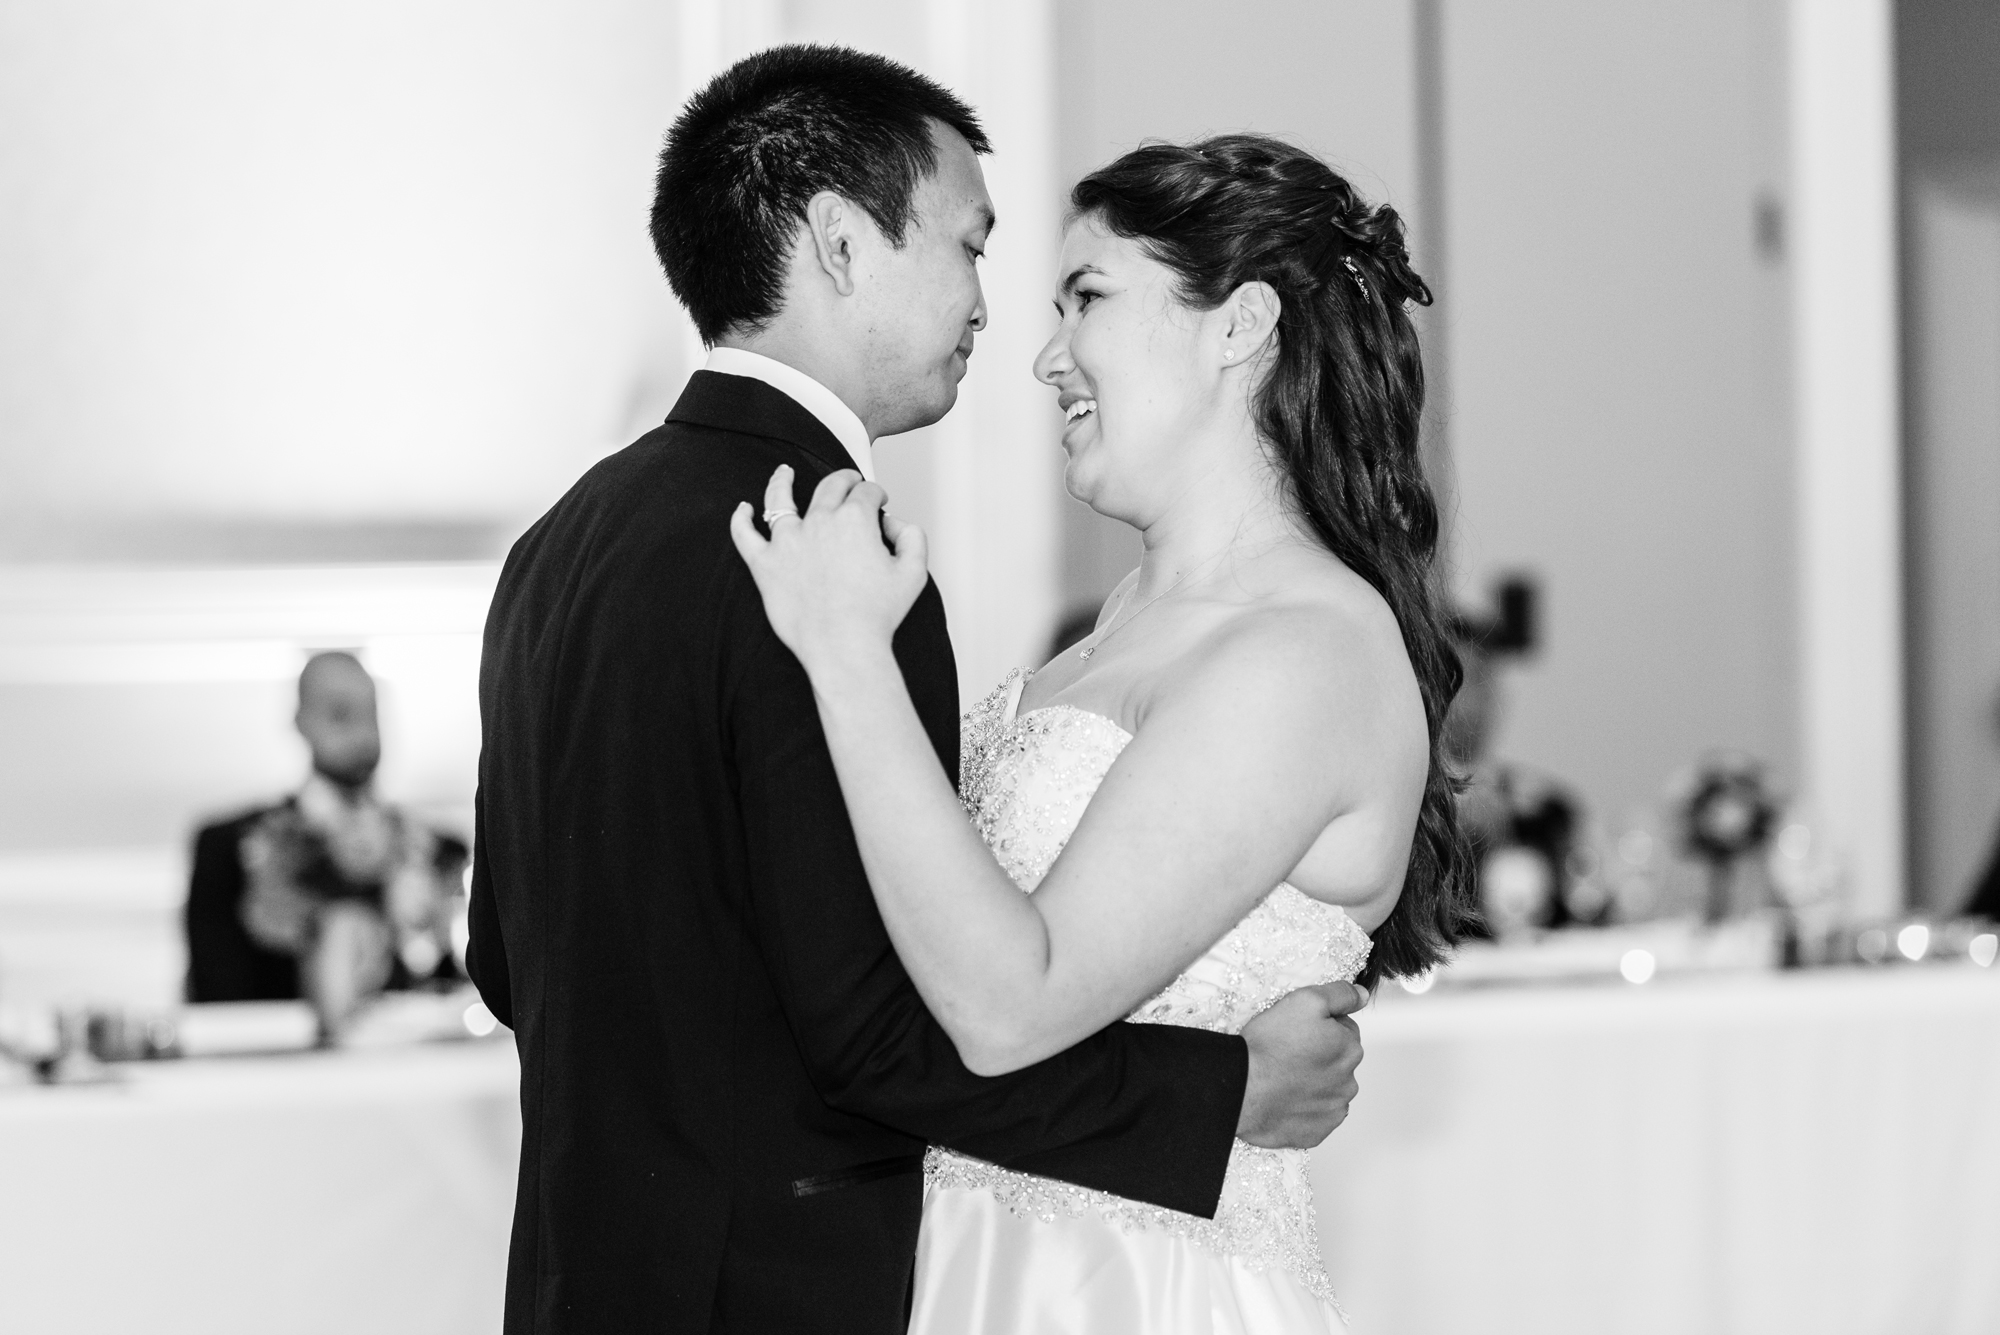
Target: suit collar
pixel 753 408
pixel 810 394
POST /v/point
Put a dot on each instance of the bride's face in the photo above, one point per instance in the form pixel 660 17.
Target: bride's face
pixel 1135 373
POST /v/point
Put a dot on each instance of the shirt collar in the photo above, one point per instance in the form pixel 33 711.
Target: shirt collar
pixel 323 802
pixel 808 393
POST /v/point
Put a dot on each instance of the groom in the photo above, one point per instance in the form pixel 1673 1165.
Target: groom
pixel 727 1080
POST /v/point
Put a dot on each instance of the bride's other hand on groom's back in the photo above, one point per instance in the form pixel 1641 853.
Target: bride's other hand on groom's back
pixel 1303 1052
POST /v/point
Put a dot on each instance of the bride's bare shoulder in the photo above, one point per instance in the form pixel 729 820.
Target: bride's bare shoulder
pixel 1301 601
pixel 1309 639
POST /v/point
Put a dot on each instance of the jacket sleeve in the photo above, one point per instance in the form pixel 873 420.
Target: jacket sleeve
pixel 224 964
pixel 485 951
pixel 217 970
pixel 1146 1112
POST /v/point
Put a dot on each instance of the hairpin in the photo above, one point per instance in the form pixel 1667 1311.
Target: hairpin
pixel 1355 270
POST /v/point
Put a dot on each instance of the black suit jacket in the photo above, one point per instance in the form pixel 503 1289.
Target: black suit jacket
pixel 726 1077
pixel 224 962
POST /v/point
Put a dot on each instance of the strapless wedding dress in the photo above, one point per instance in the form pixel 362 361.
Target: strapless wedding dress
pixel 1007 1253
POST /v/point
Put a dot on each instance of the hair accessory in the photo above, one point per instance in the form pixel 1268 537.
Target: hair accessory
pixel 1355 270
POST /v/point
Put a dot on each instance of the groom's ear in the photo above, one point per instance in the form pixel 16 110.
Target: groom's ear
pixel 830 232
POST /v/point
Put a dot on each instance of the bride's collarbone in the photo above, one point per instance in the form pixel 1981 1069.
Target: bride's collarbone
pixel 1123 670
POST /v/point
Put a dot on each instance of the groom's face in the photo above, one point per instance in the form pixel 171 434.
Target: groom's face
pixel 924 301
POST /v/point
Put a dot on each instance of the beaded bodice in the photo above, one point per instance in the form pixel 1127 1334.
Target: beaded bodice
pixel 1026 781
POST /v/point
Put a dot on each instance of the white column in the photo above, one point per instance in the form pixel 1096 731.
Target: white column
pixel 994 516
pixel 1844 332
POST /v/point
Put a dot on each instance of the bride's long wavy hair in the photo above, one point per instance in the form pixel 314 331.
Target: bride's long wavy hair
pixel 1339 411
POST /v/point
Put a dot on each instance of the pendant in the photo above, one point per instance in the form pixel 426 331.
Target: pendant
pixel 1087 652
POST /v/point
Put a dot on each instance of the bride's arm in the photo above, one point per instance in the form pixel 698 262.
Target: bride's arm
pixel 1240 764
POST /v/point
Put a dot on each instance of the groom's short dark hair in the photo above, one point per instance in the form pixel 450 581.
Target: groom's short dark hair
pixel 762 139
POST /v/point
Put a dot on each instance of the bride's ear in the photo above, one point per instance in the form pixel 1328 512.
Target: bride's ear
pixel 1250 318
pixel 830 223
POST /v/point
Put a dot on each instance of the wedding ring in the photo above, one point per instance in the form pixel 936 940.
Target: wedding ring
pixel 773 516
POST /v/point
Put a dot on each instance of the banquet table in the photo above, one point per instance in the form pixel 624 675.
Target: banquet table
pixel 1774 1153
pixel 351 1192
pixel 1812 1152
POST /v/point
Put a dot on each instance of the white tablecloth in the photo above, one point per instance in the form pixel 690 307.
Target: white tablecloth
pixel 359 1193
pixel 1816 1153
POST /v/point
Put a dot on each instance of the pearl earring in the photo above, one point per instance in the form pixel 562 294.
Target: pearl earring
pixel 1226 354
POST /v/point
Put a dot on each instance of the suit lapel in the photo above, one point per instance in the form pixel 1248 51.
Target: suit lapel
pixel 753 408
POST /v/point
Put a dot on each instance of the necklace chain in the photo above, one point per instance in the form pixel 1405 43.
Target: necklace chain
pixel 1115 625
pixel 1095 640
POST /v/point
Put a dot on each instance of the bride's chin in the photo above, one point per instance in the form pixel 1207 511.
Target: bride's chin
pixel 1082 484
pixel 1072 483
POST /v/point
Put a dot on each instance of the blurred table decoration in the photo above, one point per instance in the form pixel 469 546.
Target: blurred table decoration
pixel 1724 811
pixel 1673 947
pixel 1535 869
pixel 85 1045
pixel 1634 953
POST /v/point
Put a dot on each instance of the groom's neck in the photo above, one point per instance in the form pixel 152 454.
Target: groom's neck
pixel 815 353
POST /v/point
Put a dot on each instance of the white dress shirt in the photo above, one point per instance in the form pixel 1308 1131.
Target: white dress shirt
pixel 805 391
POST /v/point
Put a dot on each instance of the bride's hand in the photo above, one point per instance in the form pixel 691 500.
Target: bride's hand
pixel 829 583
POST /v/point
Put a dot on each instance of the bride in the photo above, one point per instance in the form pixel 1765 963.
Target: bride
pixel 1233 787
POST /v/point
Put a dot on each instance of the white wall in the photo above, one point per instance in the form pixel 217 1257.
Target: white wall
pixel 1619 373
pixel 327 260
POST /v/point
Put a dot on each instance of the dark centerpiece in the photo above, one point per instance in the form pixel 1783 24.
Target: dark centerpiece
pixel 1725 812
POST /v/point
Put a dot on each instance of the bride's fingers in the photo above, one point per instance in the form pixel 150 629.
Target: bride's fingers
pixel 907 541
pixel 778 491
pixel 832 490
pixel 868 496
pixel 1343 998
pixel 750 544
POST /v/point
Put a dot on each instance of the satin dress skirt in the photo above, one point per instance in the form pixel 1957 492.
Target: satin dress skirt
pixel 984 1270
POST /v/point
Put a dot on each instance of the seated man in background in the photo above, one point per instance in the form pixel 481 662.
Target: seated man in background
pixel 330 895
